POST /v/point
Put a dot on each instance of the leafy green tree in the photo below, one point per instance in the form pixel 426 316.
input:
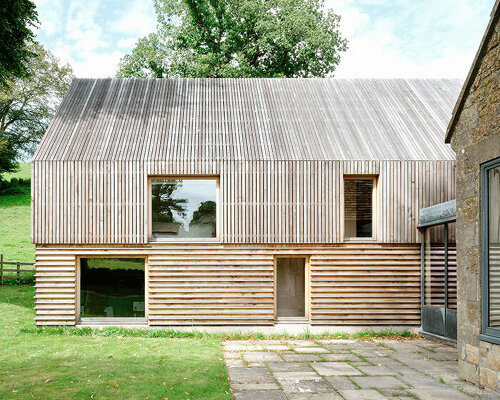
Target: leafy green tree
pixel 28 104
pixel 238 38
pixel 16 19
pixel 205 214
pixel 163 202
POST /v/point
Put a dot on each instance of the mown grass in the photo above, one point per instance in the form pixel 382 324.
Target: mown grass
pixel 93 366
pixel 165 333
pixel 15 222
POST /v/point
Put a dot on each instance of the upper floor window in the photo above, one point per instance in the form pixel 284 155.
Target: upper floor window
pixel 358 207
pixel 184 207
pixel 490 247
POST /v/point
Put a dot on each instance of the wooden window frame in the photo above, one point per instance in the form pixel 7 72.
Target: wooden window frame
pixel 307 283
pixel 218 233
pixel 488 333
pixel 373 237
pixel 106 320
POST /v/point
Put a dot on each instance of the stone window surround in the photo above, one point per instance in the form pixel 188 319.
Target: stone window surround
pixel 488 334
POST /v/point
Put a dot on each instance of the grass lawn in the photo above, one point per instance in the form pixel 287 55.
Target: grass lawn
pixel 15 217
pixel 51 366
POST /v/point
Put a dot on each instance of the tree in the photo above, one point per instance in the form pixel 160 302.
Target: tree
pixel 163 202
pixel 28 104
pixel 16 18
pixel 205 214
pixel 238 38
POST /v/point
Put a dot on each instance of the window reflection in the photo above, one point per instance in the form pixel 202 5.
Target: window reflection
pixel 184 208
pixel 494 245
pixel 358 207
pixel 112 287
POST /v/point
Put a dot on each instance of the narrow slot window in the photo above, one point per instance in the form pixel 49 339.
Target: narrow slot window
pixel 358 207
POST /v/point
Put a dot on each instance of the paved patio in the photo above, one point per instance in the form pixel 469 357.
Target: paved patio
pixel 346 369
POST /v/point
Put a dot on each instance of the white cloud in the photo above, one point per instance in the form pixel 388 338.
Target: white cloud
pixel 403 38
pixel 93 35
pixel 138 20
pixel 50 13
pixel 126 43
pixel 387 38
pixel 90 64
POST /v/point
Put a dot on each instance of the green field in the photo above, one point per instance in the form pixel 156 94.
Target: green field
pixel 51 366
pixel 15 215
pixel 24 172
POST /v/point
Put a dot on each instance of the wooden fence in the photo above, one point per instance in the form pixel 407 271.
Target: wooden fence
pixel 7 267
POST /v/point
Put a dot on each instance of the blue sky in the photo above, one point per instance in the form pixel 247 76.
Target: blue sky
pixel 387 38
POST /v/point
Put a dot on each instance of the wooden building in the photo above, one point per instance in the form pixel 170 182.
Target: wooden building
pixel 238 201
pixel 474 133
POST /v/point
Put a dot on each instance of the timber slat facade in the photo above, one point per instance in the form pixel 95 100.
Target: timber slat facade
pixel 281 150
pixel 225 284
pixel 261 201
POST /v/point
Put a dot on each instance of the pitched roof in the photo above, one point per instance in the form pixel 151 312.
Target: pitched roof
pixel 483 47
pixel 257 119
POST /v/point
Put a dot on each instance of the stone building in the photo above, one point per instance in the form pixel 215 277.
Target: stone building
pixel 474 133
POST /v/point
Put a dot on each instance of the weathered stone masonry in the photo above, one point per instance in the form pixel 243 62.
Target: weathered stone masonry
pixel 476 139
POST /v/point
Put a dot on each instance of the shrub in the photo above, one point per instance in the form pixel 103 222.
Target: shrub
pixel 15 186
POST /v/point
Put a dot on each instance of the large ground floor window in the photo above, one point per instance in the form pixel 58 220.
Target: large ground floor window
pixel 112 287
pixel 490 248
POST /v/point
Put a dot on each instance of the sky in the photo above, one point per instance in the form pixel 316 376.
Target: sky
pixel 387 38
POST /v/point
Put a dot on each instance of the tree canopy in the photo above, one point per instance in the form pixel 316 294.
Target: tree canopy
pixel 28 104
pixel 16 19
pixel 238 38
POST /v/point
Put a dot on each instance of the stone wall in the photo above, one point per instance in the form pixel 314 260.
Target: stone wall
pixel 476 139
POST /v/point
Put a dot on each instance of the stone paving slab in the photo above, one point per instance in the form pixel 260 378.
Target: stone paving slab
pixel 314 396
pixel 333 368
pixel 234 363
pixel 376 370
pixel 347 370
pixel 302 343
pixel 306 350
pixel 250 375
pixel 341 382
pixel 362 395
pixel 317 385
pixel 378 382
pixel 260 395
pixel 277 347
pixel 441 394
pixel 340 357
pixel 260 356
pixel 308 375
pixel 290 366
pixel 301 357
pixel 255 386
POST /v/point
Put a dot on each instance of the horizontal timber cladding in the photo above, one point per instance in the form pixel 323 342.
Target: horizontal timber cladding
pixel 361 284
pixel 55 288
pixel 106 202
pixel 366 285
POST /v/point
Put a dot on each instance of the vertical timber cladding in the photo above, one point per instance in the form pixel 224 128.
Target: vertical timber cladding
pixel 234 284
pixel 266 201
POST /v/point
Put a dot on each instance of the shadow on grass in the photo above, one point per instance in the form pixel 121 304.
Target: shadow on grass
pixel 18 294
pixel 15 200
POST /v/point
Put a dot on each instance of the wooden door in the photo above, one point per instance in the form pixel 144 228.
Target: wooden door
pixel 290 287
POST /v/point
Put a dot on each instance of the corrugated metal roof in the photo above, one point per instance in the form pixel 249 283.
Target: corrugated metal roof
pixel 255 119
